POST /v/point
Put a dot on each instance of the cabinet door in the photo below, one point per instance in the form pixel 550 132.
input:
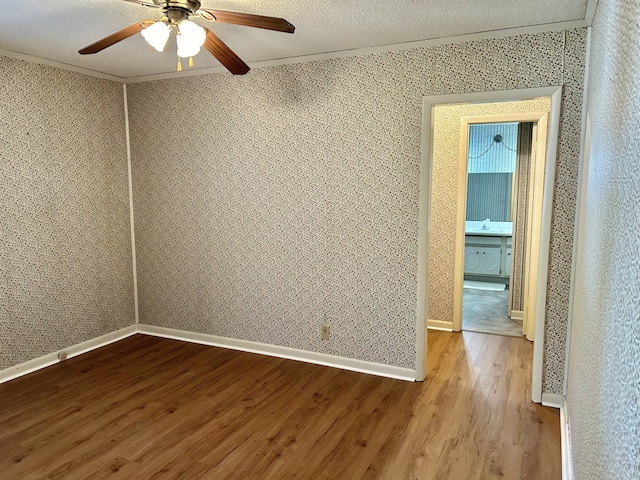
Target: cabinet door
pixel 490 261
pixel 507 264
pixel 472 259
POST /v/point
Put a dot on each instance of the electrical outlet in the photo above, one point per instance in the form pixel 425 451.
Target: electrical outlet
pixel 62 356
pixel 324 332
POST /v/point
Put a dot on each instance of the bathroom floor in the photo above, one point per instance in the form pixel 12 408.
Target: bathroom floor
pixel 486 312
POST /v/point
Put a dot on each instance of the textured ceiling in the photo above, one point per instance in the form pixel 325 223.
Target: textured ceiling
pixel 56 30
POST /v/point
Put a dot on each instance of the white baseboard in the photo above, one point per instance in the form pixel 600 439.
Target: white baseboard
pixel 565 436
pixel 282 352
pixel 517 315
pixel 72 351
pixel 553 400
pixel 235 344
pixel 440 325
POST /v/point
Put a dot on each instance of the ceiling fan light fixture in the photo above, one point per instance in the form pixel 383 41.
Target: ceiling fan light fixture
pixel 190 38
pixel 157 35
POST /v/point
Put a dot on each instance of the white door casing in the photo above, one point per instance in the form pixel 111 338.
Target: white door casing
pixel 429 103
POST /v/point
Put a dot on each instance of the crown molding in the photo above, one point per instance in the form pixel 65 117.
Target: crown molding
pixel 509 32
pixel 60 65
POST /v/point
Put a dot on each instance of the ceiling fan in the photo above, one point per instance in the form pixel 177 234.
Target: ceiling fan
pixel 189 35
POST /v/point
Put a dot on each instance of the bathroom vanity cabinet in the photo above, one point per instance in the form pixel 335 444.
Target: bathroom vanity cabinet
pixel 487 255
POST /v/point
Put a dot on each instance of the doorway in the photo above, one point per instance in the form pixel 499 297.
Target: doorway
pixel 501 160
pixel 507 250
pixel 453 251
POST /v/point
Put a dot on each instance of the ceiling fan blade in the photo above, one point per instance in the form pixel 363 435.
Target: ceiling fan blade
pixel 155 4
pixel 115 37
pixel 224 54
pixel 249 20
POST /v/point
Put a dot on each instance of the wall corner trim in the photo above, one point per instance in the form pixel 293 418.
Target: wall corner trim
pixel 72 351
pixel 281 352
pixel 591 12
pixel 565 444
pixel 134 264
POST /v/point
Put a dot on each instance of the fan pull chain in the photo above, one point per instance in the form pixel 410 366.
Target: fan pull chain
pixel 179 69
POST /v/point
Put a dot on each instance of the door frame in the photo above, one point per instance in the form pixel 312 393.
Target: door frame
pixel 424 214
pixel 534 207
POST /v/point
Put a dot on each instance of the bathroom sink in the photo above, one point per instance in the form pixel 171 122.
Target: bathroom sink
pixel 495 229
pixel 485 230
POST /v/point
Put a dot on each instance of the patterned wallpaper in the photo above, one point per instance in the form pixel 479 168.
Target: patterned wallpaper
pixel 445 196
pixel 271 203
pixel 489 156
pixel 563 214
pixel 65 254
pixel 603 394
pixel 489 196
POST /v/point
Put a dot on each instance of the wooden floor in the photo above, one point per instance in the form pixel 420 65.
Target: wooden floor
pixel 151 408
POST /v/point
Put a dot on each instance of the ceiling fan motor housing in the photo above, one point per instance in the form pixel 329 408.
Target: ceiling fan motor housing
pixel 188 6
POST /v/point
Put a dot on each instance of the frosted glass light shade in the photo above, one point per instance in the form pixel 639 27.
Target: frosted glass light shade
pixel 157 35
pixel 190 38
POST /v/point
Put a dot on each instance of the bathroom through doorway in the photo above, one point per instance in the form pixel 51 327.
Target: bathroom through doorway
pixel 503 180
pixel 498 192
